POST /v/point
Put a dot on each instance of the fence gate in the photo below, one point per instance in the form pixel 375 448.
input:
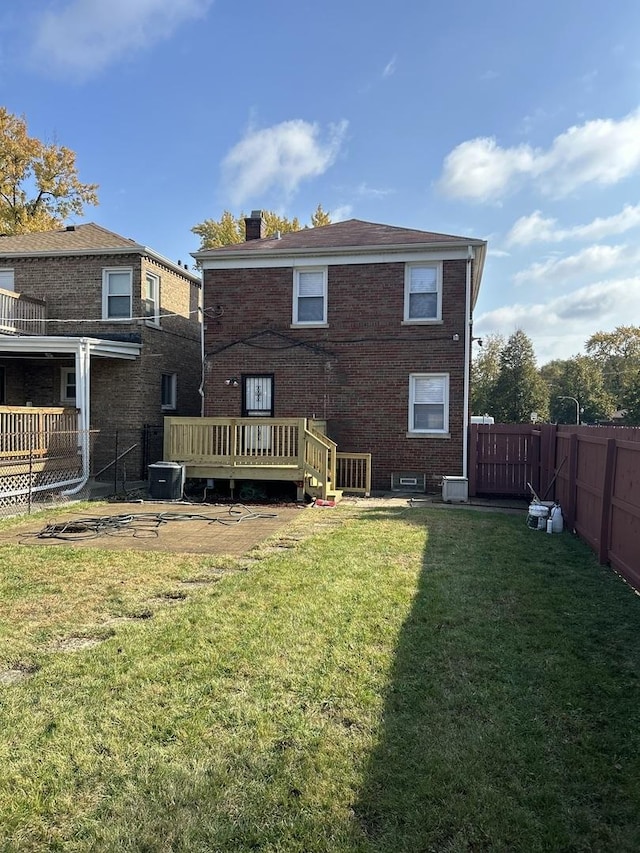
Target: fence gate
pixel 504 459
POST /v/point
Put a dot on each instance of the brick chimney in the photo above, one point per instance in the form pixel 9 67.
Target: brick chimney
pixel 254 226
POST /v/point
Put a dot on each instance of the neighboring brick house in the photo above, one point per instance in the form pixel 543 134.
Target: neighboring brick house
pixel 364 326
pixel 96 321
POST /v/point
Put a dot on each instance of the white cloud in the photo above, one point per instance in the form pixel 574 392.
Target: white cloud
pixel 601 151
pixel 366 191
pixel 560 326
pixel 481 171
pixel 592 261
pixel 390 68
pixel 538 229
pixel 340 213
pixel 83 36
pixel 281 156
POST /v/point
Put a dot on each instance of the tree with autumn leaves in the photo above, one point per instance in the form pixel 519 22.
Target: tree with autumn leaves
pixel 229 229
pixel 39 184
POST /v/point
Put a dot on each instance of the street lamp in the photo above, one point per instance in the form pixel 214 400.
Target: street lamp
pixel 577 402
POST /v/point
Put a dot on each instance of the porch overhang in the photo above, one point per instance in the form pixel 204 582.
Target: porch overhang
pixel 59 345
pixel 82 349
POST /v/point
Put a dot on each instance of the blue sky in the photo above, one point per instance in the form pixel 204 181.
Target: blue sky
pixel 510 120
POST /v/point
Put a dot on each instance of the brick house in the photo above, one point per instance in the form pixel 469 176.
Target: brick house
pixel 95 322
pixel 363 327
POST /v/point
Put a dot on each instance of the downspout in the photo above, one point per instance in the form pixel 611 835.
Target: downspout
pixel 202 364
pixel 467 365
pixel 83 387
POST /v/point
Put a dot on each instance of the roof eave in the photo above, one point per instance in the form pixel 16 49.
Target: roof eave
pixel 135 249
pixel 209 254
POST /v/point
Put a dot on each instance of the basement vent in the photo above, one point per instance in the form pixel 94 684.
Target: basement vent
pixel 409 481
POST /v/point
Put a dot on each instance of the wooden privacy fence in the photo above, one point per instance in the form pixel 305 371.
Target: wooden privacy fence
pixel 593 472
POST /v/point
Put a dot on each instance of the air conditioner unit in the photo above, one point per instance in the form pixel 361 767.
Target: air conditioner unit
pixel 409 481
pixel 166 481
pixel 455 489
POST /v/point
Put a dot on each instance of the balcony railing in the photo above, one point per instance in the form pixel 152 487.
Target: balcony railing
pixel 28 431
pixel 21 315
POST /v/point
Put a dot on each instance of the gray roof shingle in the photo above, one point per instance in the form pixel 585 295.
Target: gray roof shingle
pixel 340 235
pixel 75 238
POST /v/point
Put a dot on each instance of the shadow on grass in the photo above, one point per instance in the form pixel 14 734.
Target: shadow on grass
pixel 511 717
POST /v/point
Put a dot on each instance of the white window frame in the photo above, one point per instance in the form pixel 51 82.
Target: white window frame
pixel 153 317
pixel 5 274
pixel 413 378
pixel 408 268
pixel 65 373
pixel 106 273
pixel 297 273
pixel 170 404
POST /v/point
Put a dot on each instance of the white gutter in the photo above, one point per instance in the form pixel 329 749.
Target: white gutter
pixel 202 363
pixel 467 364
pixel 83 394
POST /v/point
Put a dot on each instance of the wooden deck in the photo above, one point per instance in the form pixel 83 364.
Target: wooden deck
pixel 288 449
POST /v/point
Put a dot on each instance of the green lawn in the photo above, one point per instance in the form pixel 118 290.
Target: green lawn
pixel 374 680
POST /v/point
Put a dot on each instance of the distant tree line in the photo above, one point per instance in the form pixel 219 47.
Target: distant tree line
pixel 591 388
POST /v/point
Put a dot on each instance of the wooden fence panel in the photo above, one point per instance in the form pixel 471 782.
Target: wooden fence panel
pixel 589 482
pixel 592 472
pixel 624 529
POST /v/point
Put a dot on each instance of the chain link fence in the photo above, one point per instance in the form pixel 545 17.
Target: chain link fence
pixel 72 465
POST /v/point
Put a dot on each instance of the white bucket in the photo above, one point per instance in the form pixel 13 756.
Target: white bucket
pixel 537 517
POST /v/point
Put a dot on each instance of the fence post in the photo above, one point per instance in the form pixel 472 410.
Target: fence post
pixel 30 495
pixel 607 496
pixel 115 466
pixel 472 461
pixel 572 486
pixel 547 457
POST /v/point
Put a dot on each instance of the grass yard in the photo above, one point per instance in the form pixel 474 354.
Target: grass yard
pixel 373 680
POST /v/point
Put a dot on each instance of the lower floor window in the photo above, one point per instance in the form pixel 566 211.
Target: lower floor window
pixel 68 385
pixel 428 402
pixel 168 390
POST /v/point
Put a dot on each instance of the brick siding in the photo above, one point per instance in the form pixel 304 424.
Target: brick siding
pixel 125 394
pixel 355 373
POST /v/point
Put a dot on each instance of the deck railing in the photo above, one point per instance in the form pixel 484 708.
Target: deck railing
pixel 234 442
pixel 27 431
pixel 20 314
pixel 354 472
pixel 264 445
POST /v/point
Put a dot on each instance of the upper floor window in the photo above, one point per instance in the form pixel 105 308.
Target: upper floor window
pixel 151 299
pixel 429 402
pixel 116 293
pixel 6 279
pixel 310 297
pixel 168 391
pixel 423 293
